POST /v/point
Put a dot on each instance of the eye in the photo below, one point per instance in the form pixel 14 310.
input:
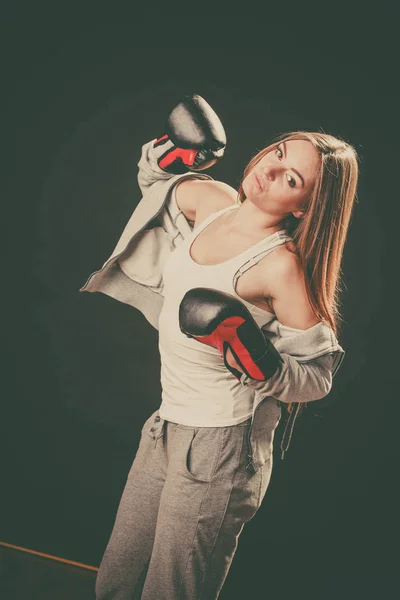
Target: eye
pixel 291 181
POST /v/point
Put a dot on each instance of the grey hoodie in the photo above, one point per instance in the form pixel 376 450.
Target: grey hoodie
pixel 310 357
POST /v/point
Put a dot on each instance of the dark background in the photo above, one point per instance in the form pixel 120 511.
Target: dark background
pixel 82 93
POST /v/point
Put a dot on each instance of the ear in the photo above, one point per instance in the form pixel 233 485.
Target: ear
pixel 299 214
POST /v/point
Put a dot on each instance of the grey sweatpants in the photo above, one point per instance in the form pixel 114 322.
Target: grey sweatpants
pixel 187 497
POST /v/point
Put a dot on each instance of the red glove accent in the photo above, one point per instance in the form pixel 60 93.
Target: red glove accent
pixel 187 157
pixel 225 336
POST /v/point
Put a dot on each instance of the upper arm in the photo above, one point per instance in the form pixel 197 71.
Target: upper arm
pixel 287 290
pixel 197 198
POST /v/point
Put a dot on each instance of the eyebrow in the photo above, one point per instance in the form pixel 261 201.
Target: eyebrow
pixel 295 170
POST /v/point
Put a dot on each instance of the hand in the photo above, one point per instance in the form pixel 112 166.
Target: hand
pixel 195 137
pixel 223 322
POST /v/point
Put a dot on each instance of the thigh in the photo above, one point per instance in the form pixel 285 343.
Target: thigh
pixel 131 541
pixel 207 498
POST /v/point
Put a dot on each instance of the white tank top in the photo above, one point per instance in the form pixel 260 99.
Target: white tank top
pixel 197 389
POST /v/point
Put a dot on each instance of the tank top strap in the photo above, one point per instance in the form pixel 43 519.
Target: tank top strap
pixel 279 238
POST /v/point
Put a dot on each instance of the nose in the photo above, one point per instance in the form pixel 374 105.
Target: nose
pixel 269 172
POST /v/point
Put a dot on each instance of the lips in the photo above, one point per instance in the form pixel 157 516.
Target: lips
pixel 258 181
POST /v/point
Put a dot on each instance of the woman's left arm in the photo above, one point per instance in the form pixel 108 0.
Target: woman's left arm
pixel 294 381
pixel 285 287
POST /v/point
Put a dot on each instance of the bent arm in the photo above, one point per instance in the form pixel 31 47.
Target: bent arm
pixel 195 195
pixel 295 380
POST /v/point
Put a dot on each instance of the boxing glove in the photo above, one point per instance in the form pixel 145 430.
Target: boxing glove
pixel 195 137
pixel 220 320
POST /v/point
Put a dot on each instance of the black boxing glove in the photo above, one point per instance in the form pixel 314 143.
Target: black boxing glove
pixel 195 137
pixel 222 321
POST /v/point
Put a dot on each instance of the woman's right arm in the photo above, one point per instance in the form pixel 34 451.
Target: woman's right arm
pixel 198 198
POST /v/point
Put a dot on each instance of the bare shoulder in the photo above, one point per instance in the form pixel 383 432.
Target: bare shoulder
pixel 283 262
pixel 214 196
pixel 197 198
pixel 285 286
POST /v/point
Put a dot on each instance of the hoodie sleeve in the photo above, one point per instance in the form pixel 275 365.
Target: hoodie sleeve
pixel 296 381
pixel 149 171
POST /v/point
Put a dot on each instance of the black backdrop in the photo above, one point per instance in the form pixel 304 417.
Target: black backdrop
pixel 81 371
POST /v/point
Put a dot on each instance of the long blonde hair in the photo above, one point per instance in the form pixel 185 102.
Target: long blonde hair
pixel 320 235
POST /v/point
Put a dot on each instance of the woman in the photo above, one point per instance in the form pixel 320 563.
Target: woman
pixel 205 457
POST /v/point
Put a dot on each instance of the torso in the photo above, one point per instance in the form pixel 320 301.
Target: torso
pixel 217 244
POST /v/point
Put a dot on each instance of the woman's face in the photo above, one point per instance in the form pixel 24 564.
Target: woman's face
pixel 283 179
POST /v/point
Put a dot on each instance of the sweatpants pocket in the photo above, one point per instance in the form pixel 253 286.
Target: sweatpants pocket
pixel 202 451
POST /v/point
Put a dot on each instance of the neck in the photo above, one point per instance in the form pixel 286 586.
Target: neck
pixel 249 219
